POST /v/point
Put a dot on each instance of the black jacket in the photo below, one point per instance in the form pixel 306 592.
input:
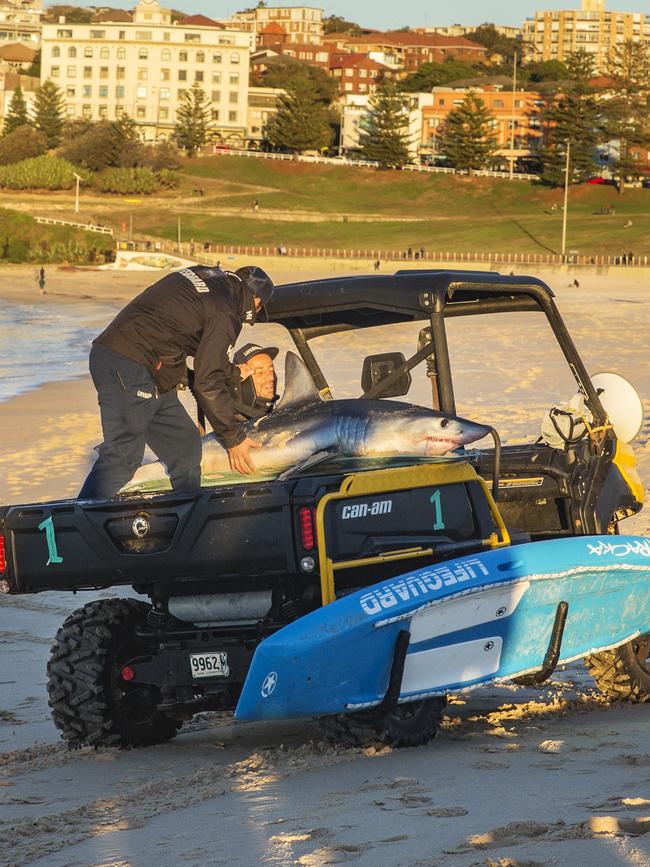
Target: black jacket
pixel 195 311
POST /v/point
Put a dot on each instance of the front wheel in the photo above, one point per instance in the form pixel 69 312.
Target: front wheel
pixel 91 703
pixel 411 724
pixel 623 674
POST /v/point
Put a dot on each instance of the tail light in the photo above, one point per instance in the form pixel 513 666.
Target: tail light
pixel 3 557
pixel 307 530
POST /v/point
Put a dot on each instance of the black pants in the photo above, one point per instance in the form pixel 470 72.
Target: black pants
pixel 133 415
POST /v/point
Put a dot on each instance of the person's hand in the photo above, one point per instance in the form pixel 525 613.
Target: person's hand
pixel 240 458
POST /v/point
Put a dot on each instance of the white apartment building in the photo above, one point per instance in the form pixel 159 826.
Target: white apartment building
pixel 555 34
pixel 143 68
pixel 286 24
pixel 354 107
pixel 20 21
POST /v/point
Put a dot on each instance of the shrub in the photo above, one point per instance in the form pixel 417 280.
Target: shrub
pixel 21 144
pixel 141 180
pixel 167 179
pixel 22 239
pixel 38 173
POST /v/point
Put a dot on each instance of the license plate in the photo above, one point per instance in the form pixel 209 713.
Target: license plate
pixel 209 664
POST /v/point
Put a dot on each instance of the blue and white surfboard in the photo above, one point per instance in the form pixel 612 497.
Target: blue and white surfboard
pixel 471 620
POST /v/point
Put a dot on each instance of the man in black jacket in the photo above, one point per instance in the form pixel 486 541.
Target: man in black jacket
pixel 140 359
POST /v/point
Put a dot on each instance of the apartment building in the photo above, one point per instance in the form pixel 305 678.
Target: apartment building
pixel 358 73
pixel 354 108
pixel 518 111
pixel 555 34
pixel 301 24
pixel 408 50
pixel 262 105
pixel 9 81
pixel 143 67
pixel 20 21
pixel 464 29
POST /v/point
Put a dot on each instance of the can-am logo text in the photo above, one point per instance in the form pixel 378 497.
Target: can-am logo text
pixel 360 510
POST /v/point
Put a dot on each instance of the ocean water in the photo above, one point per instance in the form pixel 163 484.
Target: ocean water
pixel 46 342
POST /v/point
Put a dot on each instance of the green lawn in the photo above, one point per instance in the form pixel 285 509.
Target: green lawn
pixel 455 213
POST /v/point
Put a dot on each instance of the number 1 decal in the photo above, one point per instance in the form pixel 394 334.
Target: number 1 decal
pixel 435 499
pixel 48 526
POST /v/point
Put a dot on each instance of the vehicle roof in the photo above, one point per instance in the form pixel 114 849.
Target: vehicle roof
pixel 341 303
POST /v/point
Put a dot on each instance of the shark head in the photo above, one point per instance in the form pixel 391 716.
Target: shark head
pixel 414 430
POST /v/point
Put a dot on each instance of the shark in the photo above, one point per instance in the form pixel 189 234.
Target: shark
pixel 303 426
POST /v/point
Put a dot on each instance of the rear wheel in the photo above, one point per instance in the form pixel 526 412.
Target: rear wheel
pixel 623 674
pixel 411 724
pixel 91 703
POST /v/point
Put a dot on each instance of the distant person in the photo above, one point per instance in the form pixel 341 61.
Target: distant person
pixel 409 253
pixel 282 250
pixel 256 206
pixel 421 252
pixel 377 265
pixel 628 224
pixel 138 362
pixel 41 280
pixel 576 284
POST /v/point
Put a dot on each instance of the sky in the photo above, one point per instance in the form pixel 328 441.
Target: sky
pixel 388 14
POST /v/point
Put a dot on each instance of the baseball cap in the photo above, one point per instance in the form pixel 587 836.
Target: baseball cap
pixel 250 350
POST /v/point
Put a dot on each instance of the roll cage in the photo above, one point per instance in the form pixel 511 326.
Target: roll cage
pixel 316 308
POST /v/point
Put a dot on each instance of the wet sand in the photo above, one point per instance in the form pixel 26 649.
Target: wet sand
pixel 546 776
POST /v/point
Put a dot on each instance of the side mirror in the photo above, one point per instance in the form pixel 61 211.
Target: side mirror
pixel 376 368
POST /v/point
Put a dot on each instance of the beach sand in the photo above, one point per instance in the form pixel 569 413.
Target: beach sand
pixel 547 776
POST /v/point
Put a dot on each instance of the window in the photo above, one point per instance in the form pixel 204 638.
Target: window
pixel 441 102
pixel 216 96
pixel 234 78
pixel 182 74
pixel 200 56
pixel 55 71
pixel 86 111
pixel 121 34
pixel 167 37
pixel 216 57
pixel 120 72
pixel 232 117
pixel 103 111
pixel 103 91
pixel 72 51
pixel 87 91
pixel 71 92
pixel 233 98
pixel 71 71
pixel 498 103
pixel 141 92
pixel 140 112
pixel 165 55
pixel 348 85
pixel 119 91
pixel 64 34
pixel 163 113
pixel 142 73
pixel 198 76
pixel 180 93
pixel 363 73
pixel 349 73
pixel 165 93
pixel 143 53
pixel 56 51
pixel 216 78
pixel 97 34
pixel 234 57
pixel 164 74
pixel 88 51
pixel 143 35
pixel 121 53
pixel 215 114
pixel 104 53
pixel 192 37
pixel 226 40
pixel 182 56
pixel 103 72
pixel 519 103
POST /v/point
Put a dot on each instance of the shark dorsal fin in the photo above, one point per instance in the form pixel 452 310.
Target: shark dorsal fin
pixel 298 385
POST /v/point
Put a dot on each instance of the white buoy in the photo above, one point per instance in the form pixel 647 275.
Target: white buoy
pixel 621 402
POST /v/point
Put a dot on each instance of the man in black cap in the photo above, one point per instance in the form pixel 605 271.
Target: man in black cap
pixel 138 362
pixel 255 395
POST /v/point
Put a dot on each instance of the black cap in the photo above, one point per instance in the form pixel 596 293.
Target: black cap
pixel 250 350
pixel 258 281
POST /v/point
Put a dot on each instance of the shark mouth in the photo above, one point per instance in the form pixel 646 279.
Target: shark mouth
pixel 439 445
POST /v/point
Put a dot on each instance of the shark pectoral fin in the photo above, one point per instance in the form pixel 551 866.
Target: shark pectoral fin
pixel 299 387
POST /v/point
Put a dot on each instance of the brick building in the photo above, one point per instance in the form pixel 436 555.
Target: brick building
pixel 407 50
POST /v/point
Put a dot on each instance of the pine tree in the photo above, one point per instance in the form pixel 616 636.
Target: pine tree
pixel 193 120
pixel 49 113
pixel 301 121
pixel 16 113
pixel 383 135
pixel 467 139
pixel 571 116
pixel 626 113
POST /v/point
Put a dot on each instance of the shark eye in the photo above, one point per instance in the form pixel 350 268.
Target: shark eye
pixel 444 422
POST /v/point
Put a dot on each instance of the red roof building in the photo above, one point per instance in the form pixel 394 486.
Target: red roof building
pixel 272 34
pixel 408 50
pixel 357 73
pixel 201 21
